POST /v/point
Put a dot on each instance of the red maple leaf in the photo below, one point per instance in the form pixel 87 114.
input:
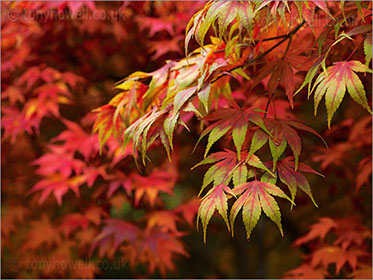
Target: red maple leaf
pixel 114 233
pixel 72 222
pixel 317 230
pixel 163 47
pixel 41 232
pixel 282 73
pixel 151 185
pixel 75 139
pixel 164 221
pixel 189 210
pixel 156 25
pixel 156 249
pixel 119 179
pixel 58 161
pixel 14 122
pixel 336 255
pixel 58 185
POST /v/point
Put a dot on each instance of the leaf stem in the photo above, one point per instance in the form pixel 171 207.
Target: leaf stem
pixel 353 51
pixel 267 106
pixel 287 47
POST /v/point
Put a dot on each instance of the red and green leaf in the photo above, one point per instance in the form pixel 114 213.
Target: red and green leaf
pixel 333 84
pixel 254 197
pixel 215 199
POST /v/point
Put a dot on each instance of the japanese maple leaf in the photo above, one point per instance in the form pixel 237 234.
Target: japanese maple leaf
pixel 146 130
pixel 282 133
pixel 308 13
pixel 95 214
pixel 256 196
pixel 41 232
pixel 188 210
pixel 227 167
pixel 105 125
pixel 49 96
pixel 91 173
pixel 58 160
pixel 350 231
pixel 164 220
pixel 318 230
pixel 361 131
pixel 160 121
pixel 221 13
pixel 116 151
pixel 29 78
pixel 71 79
pixel 58 185
pixel 127 102
pixel 368 48
pixel 62 253
pixel 365 172
pixel 111 118
pixel 119 179
pixel 334 156
pixel 85 236
pixel 151 185
pixel 230 119
pixel 293 178
pixel 349 237
pixel 156 25
pixel 282 73
pixel 359 137
pixel 165 46
pixel 334 82
pixel 156 249
pixel 14 122
pixel 163 247
pixel 114 233
pixel 77 140
pixel 335 255
pixel 11 216
pixel 14 95
pixel 215 199
pixel 72 222
pixel 41 74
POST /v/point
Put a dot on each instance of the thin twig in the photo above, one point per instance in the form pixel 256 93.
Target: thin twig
pixel 267 106
pixel 285 37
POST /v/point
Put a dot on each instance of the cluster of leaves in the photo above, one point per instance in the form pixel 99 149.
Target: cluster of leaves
pixel 240 85
pixel 199 85
pixel 357 143
pixel 41 125
pixel 339 249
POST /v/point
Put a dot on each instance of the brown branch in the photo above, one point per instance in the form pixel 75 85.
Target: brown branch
pixel 285 37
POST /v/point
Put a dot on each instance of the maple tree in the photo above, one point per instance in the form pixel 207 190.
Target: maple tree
pixel 92 91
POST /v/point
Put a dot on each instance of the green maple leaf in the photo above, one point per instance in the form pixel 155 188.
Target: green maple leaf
pixel 255 197
pixel 217 199
pixel 333 84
